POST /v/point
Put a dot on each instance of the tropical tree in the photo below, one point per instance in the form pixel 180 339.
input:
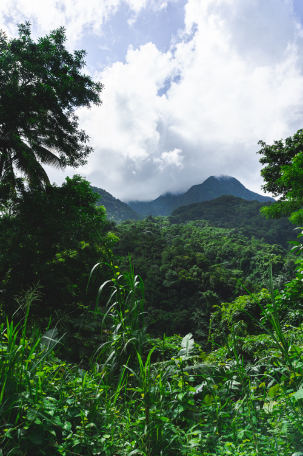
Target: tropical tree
pixel 283 176
pixel 41 86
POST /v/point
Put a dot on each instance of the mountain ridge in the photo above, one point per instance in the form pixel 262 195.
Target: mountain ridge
pixel 116 210
pixel 211 188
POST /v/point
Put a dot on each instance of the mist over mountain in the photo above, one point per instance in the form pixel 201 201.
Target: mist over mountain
pixel 211 188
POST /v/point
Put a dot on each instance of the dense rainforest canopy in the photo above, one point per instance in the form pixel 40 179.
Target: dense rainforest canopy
pixel 187 269
pixel 236 213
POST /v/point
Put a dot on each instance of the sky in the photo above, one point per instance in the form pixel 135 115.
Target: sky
pixel 190 87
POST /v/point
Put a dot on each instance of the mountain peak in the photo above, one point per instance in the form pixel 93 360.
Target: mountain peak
pixel 223 177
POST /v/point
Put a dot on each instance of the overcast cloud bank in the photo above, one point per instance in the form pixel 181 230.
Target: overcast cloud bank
pixel 169 120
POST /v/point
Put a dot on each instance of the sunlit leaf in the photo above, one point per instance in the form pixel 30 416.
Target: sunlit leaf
pixel 298 394
pixel 187 345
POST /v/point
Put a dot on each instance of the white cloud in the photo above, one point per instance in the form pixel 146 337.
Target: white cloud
pixel 78 16
pixel 240 80
pixel 235 75
pixel 171 158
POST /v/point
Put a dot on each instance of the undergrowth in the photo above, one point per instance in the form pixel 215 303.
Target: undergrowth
pixel 147 396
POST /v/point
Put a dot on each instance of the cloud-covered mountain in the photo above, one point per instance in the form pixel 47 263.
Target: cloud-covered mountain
pixel 211 188
pixel 190 86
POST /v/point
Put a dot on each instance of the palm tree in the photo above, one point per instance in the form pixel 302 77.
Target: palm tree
pixel 28 159
pixel 40 88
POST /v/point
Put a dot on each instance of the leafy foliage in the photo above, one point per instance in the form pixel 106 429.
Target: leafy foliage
pixel 245 313
pixel 275 157
pixel 283 176
pixel 192 404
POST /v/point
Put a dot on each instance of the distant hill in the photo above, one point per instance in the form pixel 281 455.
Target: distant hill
pixel 211 188
pixel 117 211
pixel 232 212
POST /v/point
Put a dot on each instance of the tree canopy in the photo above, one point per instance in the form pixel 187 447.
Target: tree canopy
pixel 41 85
pixel 54 238
pixel 187 269
pixel 283 176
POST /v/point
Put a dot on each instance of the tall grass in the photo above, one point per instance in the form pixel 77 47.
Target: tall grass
pixel 126 403
pixel 123 322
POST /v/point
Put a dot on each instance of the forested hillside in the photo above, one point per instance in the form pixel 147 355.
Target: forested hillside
pixel 232 212
pixel 116 210
pixel 187 269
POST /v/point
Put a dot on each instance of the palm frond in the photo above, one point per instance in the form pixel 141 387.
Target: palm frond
pixel 25 160
pixel 47 156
